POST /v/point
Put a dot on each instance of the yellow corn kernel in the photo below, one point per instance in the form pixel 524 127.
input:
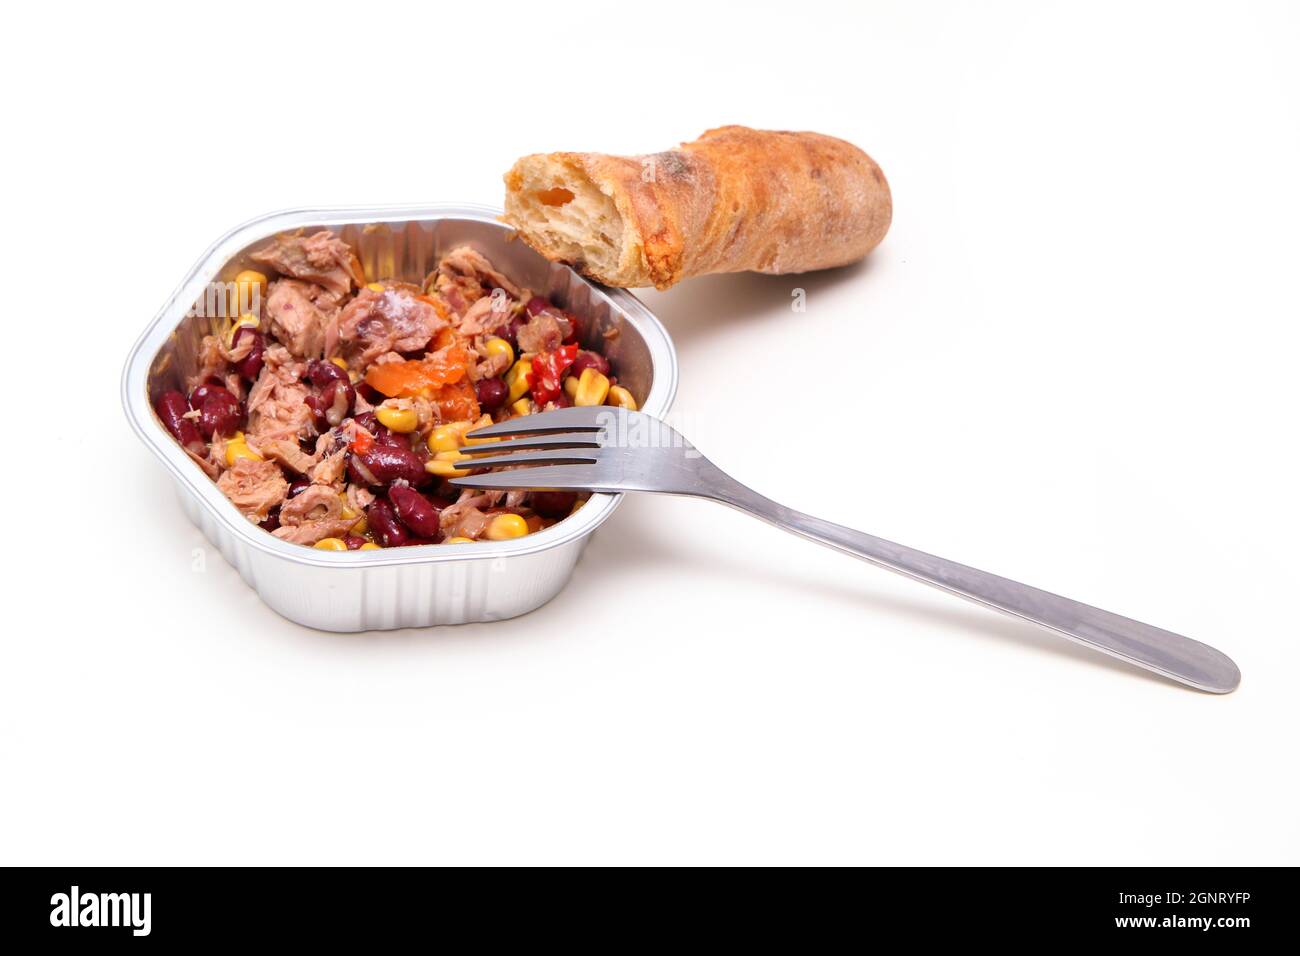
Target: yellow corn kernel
pixel 443 464
pixel 397 419
pixel 571 386
pixel 522 407
pixel 354 377
pixel 504 527
pixel 331 544
pixel 483 422
pixel 375 286
pixel 246 321
pixel 347 510
pixel 621 397
pixel 237 448
pixel 593 387
pixel 517 379
pixel 247 284
pixel 497 347
pixel 459 540
pixel 340 361
pixel 369 546
pixel 447 437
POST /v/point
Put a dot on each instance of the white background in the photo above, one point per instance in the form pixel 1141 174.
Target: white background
pixel 1073 362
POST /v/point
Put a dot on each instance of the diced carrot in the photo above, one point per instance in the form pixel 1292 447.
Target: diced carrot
pixel 445 338
pixel 456 402
pixel 396 379
pixel 420 376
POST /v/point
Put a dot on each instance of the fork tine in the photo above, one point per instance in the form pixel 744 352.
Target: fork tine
pixel 570 440
pixel 587 418
pixel 552 477
pixel 574 456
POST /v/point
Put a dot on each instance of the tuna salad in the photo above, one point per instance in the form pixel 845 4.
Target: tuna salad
pixel 333 411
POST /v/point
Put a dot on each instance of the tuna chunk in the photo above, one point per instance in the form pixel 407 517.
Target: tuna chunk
pixel 322 258
pixel 465 263
pixel 279 411
pixel 276 403
pixel 286 452
pixel 465 519
pixel 254 487
pixel 359 498
pixel 378 322
pixel 463 279
pixel 487 314
pixel 544 332
pixel 472 523
pixel 316 513
pixel 299 313
pixel 329 470
pixel 212 362
pixel 491 366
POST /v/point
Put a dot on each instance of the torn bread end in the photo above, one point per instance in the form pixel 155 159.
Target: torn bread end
pixel 564 215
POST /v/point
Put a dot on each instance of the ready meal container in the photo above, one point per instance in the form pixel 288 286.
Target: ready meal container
pixel 409 586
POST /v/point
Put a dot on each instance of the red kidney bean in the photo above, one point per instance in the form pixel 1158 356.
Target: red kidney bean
pixel 383 522
pixel 553 504
pixel 221 414
pixel 415 511
pixel 492 393
pixel 272 520
pixel 412 541
pixel 298 486
pixel 354 541
pixel 369 393
pixel 322 374
pixel 332 405
pixel 537 305
pixel 251 365
pixel 587 359
pixel 382 435
pixel 510 331
pixel 201 392
pixel 356 474
pixel 337 401
pixel 561 401
pixel 317 411
pixel 391 462
pixel 171 408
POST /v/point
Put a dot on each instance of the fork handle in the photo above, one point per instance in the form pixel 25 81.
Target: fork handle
pixel 1164 652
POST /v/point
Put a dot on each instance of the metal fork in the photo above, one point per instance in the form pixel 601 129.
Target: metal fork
pixel 613 450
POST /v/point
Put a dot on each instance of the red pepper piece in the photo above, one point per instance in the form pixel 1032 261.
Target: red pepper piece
pixel 548 371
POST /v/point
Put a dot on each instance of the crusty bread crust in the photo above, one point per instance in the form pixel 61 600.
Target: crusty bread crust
pixel 734 200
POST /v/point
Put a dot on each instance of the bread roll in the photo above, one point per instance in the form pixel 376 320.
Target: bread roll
pixel 734 200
